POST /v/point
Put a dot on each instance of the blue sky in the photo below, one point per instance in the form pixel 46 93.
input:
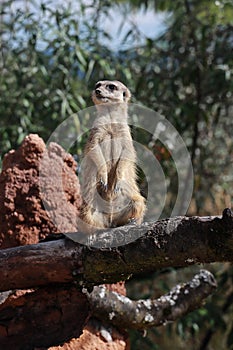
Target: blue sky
pixel 149 23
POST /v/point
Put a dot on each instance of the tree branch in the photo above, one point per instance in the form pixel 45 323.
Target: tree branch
pixel 143 314
pixel 180 241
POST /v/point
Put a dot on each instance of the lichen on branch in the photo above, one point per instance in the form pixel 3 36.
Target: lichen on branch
pixel 143 314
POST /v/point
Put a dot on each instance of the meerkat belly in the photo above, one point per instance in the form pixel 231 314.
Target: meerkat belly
pixel 111 148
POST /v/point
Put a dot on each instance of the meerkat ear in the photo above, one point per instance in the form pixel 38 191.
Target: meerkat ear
pixel 126 95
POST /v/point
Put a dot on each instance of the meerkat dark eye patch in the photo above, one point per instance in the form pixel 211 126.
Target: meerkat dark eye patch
pixel 112 87
pixel 124 93
pixel 97 85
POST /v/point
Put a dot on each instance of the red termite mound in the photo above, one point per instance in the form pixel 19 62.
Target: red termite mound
pixel 23 217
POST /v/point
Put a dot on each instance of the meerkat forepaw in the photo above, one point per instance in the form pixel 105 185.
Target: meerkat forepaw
pixel 118 186
pixel 132 221
pixel 116 189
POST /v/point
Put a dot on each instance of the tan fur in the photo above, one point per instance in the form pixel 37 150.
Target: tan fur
pixel 110 193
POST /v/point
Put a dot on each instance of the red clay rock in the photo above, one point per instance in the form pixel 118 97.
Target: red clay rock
pixel 92 339
pixel 23 219
pixel 42 317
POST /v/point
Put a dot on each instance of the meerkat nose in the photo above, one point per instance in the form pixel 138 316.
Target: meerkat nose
pixel 98 92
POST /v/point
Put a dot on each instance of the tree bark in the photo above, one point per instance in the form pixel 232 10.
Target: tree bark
pixel 177 242
pixel 123 312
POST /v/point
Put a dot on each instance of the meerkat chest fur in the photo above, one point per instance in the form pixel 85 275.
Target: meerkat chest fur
pixel 110 192
pixel 116 141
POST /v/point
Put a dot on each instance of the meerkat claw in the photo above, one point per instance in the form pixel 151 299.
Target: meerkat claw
pixel 104 185
pixel 132 221
pixel 116 189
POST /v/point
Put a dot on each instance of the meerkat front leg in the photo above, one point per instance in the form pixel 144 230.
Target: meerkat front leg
pixel 125 163
pixel 95 153
pixel 120 182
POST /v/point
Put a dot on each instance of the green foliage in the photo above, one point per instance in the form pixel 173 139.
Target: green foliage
pixel 188 72
pixel 50 59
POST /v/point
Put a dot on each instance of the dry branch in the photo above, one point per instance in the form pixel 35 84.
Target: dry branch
pixel 143 314
pixel 179 241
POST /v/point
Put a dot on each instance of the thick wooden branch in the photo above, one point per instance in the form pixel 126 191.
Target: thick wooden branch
pixel 143 314
pixel 179 241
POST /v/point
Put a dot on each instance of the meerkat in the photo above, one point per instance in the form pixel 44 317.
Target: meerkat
pixel 111 196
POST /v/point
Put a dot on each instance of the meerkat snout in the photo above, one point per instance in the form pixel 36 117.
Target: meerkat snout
pixel 97 91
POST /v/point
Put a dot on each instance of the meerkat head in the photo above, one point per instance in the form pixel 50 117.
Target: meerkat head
pixel 110 92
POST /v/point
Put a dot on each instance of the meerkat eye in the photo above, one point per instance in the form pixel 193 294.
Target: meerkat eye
pixel 124 93
pixel 112 87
